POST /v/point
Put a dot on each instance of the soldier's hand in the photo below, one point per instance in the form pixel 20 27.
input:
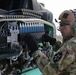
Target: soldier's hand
pixel 31 42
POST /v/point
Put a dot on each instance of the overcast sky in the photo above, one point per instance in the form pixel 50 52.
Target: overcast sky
pixel 57 6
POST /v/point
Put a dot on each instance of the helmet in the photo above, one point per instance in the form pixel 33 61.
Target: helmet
pixel 69 17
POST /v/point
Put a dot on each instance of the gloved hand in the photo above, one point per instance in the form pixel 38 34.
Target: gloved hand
pixel 31 42
pixel 47 38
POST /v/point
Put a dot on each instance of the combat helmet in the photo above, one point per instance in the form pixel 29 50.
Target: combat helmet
pixel 69 17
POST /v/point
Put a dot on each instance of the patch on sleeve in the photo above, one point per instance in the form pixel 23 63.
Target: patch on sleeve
pixel 57 57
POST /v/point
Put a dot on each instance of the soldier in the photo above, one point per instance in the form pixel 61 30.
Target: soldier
pixel 64 60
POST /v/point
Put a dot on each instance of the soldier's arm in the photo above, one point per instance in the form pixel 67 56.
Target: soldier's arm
pixel 67 57
pixel 43 63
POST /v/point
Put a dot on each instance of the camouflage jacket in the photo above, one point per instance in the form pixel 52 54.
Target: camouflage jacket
pixel 63 63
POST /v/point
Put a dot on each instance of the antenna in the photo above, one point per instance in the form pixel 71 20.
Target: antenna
pixel 56 20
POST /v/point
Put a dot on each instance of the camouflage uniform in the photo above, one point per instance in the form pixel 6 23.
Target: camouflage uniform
pixel 64 60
